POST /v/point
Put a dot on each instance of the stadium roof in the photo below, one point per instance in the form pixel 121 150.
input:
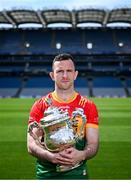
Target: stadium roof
pixel 74 18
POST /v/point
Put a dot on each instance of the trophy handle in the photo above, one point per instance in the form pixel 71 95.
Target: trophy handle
pixel 35 137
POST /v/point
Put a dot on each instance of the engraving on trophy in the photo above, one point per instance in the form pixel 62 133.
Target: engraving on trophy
pixel 58 132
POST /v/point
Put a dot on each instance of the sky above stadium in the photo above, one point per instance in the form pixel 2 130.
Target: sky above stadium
pixel 68 4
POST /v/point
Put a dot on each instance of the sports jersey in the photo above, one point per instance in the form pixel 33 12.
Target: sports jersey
pixel 48 169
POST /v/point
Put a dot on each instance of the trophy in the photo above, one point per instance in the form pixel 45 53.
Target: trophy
pixel 59 132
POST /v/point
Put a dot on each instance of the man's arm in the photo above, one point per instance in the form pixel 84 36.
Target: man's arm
pixel 92 136
pixel 33 145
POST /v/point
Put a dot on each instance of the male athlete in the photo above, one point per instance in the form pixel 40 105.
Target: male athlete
pixel 66 98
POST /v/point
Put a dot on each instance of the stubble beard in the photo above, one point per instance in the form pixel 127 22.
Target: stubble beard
pixel 64 87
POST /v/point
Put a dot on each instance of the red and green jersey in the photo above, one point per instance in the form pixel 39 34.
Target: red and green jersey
pixel 76 102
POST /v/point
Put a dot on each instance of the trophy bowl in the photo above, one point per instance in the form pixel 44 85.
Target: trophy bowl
pixel 58 133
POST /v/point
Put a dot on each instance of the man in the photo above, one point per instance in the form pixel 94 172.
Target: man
pixel 66 98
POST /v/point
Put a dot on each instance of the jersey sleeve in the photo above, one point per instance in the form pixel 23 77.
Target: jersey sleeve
pixel 37 111
pixel 92 115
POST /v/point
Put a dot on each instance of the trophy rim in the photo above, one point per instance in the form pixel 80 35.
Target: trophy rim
pixel 54 121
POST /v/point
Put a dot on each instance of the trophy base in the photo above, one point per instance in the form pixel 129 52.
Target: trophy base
pixel 62 168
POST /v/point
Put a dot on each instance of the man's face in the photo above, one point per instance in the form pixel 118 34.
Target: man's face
pixel 64 74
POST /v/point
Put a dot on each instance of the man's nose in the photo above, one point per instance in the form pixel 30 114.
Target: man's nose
pixel 64 74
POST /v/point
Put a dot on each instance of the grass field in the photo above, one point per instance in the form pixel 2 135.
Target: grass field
pixel 112 162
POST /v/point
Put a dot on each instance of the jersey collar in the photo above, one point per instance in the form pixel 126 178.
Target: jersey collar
pixel 60 100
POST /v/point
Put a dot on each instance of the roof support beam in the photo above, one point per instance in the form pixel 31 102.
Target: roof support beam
pixel 106 18
pixel 9 19
pixel 41 19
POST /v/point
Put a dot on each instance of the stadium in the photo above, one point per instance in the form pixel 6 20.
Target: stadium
pixel 103 57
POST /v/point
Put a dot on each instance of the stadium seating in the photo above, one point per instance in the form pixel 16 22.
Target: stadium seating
pixel 26 54
pixel 73 41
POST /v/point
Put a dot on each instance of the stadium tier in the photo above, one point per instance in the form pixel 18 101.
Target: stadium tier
pixel 78 41
pixel 103 58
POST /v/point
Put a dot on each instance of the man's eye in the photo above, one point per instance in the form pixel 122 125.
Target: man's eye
pixel 59 71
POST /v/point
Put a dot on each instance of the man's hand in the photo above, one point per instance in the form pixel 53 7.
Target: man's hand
pixel 71 156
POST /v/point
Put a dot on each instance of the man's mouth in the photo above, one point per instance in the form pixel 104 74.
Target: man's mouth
pixel 65 81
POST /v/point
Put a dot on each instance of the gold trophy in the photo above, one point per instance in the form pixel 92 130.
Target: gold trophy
pixel 59 133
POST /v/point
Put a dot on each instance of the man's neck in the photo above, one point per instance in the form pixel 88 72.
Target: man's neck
pixel 65 95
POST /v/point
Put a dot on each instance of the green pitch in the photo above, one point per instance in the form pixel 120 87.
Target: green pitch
pixel 112 162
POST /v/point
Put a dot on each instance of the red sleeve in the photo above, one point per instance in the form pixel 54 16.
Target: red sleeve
pixel 37 111
pixel 92 115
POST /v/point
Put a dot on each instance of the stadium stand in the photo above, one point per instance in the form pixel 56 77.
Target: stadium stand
pixel 103 54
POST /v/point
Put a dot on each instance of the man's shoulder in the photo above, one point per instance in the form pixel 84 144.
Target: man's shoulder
pixel 44 99
pixel 85 99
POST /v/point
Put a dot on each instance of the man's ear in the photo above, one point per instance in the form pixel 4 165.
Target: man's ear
pixel 51 75
pixel 76 74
